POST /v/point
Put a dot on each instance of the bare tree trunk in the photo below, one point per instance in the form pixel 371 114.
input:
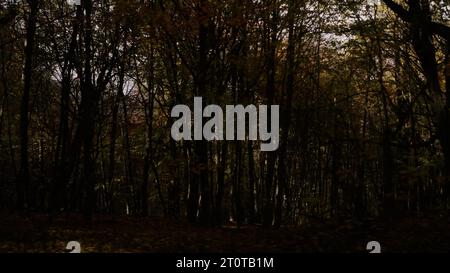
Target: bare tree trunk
pixel 251 184
pixel 62 158
pixel 221 182
pixel 149 149
pixel 118 100
pixel 88 108
pixel 24 178
pixel 286 120
pixel 445 127
pixel 201 147
pixel 270 92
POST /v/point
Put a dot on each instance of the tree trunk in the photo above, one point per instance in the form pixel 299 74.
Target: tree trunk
pixel 24 178
pixel 201 147
pixel 149 149
pixel 270 92
pixel 221 183
pixel 88 108
pixel 286 120
pixel 62 158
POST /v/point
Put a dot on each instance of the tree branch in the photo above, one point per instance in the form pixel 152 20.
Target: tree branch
pixel 399 10
pixel 435 28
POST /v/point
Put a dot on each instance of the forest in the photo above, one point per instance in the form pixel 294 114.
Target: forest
pixel 86 153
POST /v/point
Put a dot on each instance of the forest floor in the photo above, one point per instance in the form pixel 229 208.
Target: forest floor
pixel 156 235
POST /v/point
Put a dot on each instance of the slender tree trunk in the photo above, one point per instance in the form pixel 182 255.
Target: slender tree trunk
pixel 270 92
pixel 193 187
pixel 221 183
pixel 118 100
pixel 88 110
pixel 24 179
pixel 201 147
pixel 251 184
pixel 149 149
pixel 62 158
pixel 112 153
pixel 286 120
pixel 445 127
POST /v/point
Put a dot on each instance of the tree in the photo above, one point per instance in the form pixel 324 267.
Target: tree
pixel 23 182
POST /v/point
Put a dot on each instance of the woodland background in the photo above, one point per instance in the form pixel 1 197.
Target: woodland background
pixel 86 93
